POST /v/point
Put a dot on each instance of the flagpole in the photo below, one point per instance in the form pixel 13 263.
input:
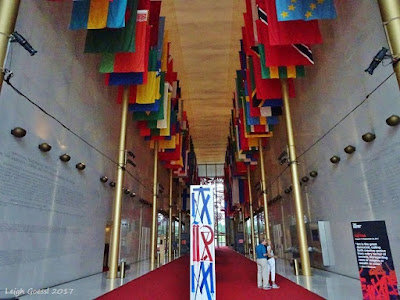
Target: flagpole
pixel 253 243
pixel 154 221
pixel 170 218
pixel 264 190
pixel 390 13
pixel 301 229
pixel 116 225
pixel 8 17
pixel 246 246
pixel 180 220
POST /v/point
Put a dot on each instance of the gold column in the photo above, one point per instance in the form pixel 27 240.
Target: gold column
pixel 244 228
pixel 116 225
pixel 170 218
pixel 140 232
pixel 154 221
pixel 301 229
pixel 8 17
pixel 180 220
pixel 390 12
pixel 264 190
pixel 253 243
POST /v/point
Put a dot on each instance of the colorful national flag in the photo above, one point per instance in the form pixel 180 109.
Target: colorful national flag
pixel 97 14
pixel 114 40
pixel 126 62
pixel 289 10
pixel 287 33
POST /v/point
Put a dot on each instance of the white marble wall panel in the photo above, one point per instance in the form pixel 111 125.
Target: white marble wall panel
pixel 53 217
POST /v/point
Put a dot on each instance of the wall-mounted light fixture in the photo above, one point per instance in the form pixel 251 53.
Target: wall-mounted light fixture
pixel 283 157
pixel 16 37
pixel 112 184
pixel 80 166
pixel 133 194
pixel 127 192
pixel 349 149
pixel 65 157
pixel 18 132
pixel 129 161
pixel 393 120
pixel 305 179
pixel 368 137
pixel 335 159
pixel 104 179
pixel 381 55
pixel 313 174
pixel 44 147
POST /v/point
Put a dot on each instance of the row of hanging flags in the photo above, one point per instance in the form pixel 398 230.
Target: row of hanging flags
pixel 135 53
pixel 276 43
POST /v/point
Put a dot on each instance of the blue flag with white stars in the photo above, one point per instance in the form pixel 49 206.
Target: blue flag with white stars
pixel 289 10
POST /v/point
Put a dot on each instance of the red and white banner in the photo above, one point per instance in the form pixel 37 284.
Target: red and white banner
pixel 202 250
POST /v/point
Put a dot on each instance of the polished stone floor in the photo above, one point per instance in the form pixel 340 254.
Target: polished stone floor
pixel 326 284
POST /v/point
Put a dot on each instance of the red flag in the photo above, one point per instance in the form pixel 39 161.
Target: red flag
pixel 290 32
pixel 144 4
pixel 155 7
pixel 135 61
pixel 132 94
pixel 269 88
pixel 284 55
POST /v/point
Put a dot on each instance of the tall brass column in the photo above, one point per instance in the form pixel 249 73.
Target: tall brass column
pixel 8 17
pixel 116 225
pixel 140 233
pixel 245 246
pixel 390 12
pixel 264 189
pixel 253 241
pixel 154 221
pixel 180 220
pixel 170 218
pixel 301 228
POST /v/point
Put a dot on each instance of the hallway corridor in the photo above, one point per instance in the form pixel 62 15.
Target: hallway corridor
pixel 324 284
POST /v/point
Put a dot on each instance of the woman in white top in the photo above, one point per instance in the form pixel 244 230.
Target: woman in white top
pixel 271 262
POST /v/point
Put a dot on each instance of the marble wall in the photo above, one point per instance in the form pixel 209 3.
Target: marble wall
pixel 53 217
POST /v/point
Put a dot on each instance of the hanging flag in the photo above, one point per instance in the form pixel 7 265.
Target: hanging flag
pixel 282 55
pixel 287 33
pixel 160 40
pixel 127 62
pixel 98 14
pixel 124 78
pixel 155 7
pixel 289 10
pixel 114 40
pixel 149 92
pixel 116 14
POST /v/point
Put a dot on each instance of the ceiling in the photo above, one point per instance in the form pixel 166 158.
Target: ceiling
pixel 204 38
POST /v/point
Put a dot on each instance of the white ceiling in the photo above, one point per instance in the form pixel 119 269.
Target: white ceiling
pixel 204 38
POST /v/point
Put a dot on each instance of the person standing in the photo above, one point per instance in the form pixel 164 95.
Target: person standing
pixel 262 266
pixel 271 264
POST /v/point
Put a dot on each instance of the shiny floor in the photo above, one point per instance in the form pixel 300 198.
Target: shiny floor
pixel 328 285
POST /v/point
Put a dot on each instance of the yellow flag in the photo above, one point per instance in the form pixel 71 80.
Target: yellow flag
pixel 98 14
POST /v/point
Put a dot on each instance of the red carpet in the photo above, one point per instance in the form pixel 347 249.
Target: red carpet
pixel 236 279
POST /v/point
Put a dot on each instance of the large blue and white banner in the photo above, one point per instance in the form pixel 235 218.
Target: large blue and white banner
pixel 202 252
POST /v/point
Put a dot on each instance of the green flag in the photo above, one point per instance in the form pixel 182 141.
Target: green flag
pixel 114 40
